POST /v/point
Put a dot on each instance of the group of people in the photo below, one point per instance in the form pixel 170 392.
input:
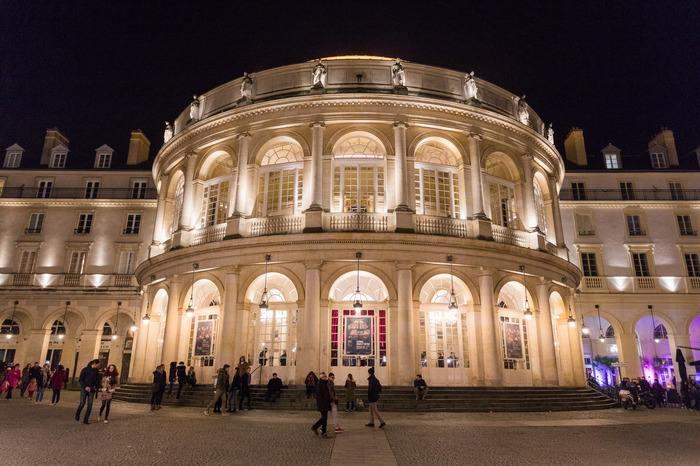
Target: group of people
pixel 327 400
pixel 231 392
pixel 689 392
pixel 33 380
pixel 178 373
pixel 92 382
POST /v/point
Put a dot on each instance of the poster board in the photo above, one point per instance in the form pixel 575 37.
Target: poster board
pixel 358 336
pixel 513 339
pixel 203 338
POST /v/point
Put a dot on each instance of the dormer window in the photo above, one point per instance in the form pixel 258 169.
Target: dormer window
pixel 13 156
pixel 658 160
pixel 612 162
pixel 103 160
pixel 103 156
pixel 59 154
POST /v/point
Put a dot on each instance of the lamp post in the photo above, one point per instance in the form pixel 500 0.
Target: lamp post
pixel 452 306
pixel 116 322
pixel 190 309
pixel 600 325
pixel 358 303
pixel 526 310
pixel 263 299
pixel 653 324
pixel 146 318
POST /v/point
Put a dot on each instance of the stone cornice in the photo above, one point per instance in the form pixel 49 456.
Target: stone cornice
pixel 42 202
pixel 629 205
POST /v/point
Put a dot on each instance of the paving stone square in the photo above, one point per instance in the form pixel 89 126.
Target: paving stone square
pixel 44 434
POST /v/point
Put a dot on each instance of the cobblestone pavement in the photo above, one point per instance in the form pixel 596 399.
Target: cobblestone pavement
pixel 44 434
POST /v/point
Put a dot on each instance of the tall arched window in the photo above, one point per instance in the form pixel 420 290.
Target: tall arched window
pixel 358 175
pixel 216 192
pixel 539 205
pixel 281 180
pixel 58 328
pixel 177 205
pixel 501 192
pixel 436 180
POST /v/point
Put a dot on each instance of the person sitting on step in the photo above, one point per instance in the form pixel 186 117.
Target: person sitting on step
pixel 274 388
pixel 420 388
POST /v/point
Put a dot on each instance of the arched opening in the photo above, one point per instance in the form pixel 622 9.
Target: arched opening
pixel 272 336
pixel 600 351
pixel 281 179
pixel 358 337
pixel 514 333
pixel 217 183
pixel 358 174
pixel 654 350
pixel 694 331
pixel 443 341
pixel 501 174
pixel 437 178
pixel 202 329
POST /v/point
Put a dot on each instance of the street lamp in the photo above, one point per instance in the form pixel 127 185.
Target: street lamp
pixel 116 322
pixel 571 321
pixel 527 312
pixel 452 306
pixel 65 312
pixel 263 302
pixel 8 335
pixel 190 309
pixel 600 325
pixel 358 304
pixel 146 318
pixel 653 324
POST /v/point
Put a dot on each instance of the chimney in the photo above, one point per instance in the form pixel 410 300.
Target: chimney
pixel 574 147
pixel 139 146
pixel 52 139
pixel 665 138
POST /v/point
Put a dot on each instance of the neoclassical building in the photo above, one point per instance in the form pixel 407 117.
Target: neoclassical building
pixel 350 213
pixel 361 212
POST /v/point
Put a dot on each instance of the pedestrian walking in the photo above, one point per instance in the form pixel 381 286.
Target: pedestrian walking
pixel 323 404
pixel 245 389
pixel 221 388
pixel 181 375
pixel 35 373
pixel 158 388
pixel 56 383
pixel 110 381
pixel 233 391
pixel 373 391
pixel 42 382
pixel 172 377
pixel 25 380
pixel 14 376
pixel 350 396
pixel 334 403
pixel 89 381
pixel 31 388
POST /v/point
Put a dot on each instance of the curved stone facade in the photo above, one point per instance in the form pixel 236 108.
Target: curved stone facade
pixel 272 184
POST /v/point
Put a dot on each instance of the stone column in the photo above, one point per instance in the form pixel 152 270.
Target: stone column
pixel 576 346
pixel 89 347
pixel 556 213
pixel 188 207
pixel 550 376
pixel 138 357
pixel 227 354
pixel 566 372
pixel 158 235
pixel 476 180
pixel 316 190
pixel 628 353
pixel 37 344
pixel 476 367
pixel 492 356
pixel 529 217
pixel 400 174
pixel 172 323
pixel 407 362
pixel 308 328
pixel 242 183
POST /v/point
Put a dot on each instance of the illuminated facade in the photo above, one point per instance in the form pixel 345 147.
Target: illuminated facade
pixel 327 215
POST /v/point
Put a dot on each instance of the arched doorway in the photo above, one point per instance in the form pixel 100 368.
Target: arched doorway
pixel 202 329
pixel 514 334
pixel 654 350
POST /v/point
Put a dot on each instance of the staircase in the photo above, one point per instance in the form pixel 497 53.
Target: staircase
pixel 440 399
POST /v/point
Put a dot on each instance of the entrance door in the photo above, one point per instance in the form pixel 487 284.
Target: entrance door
pixel 358 342
pixel 515 350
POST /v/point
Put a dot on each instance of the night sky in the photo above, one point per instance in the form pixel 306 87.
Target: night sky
pixel 98 69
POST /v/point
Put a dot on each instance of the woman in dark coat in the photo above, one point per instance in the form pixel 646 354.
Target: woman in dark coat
pixel 172 377
pixel 56 384
pixel 25 380
pixel 310 381
pixel 158 387
pixel 323 404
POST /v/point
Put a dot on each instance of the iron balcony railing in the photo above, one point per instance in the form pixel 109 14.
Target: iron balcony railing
pixel 21 192
pixel 629 195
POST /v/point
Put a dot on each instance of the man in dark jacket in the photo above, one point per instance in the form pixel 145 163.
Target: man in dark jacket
pixel 245 388
pixel 274 388
pixel 323 404
pixel 89 382
pixel 221 388
pixel 373 396
pixel 181 375
pixel 35 373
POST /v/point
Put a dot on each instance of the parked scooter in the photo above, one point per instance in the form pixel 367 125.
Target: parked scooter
pixel 647 399
pixel 625 399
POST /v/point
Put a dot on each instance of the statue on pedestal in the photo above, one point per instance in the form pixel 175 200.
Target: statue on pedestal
pixel 399 74
pixel 194 109
pixel 550 134
pixel 319 75
pixel 246 87
pixel 168 133
pixel 523 113
pixel 469 86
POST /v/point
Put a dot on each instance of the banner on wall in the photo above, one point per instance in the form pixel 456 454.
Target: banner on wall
pixel 514 343
pixel 358 336
pixel 205 332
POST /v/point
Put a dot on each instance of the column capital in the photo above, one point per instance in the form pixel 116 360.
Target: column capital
pixel 317 124
pixel 317 264
pixel 400 124
pixel 475 137
pixel 232 269
pixel 404 265
pixel 243 135
pixel 174 280
pixel 483 272
pixel 191 154
pixel 527 155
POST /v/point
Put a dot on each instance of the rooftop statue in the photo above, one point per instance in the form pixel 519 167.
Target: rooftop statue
pixel 168 133
pixel 469 86
pixel 194 109
pixel 399 74
pixel 319 74
pixel 550 134
pixel 247 87
pixel 523 112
